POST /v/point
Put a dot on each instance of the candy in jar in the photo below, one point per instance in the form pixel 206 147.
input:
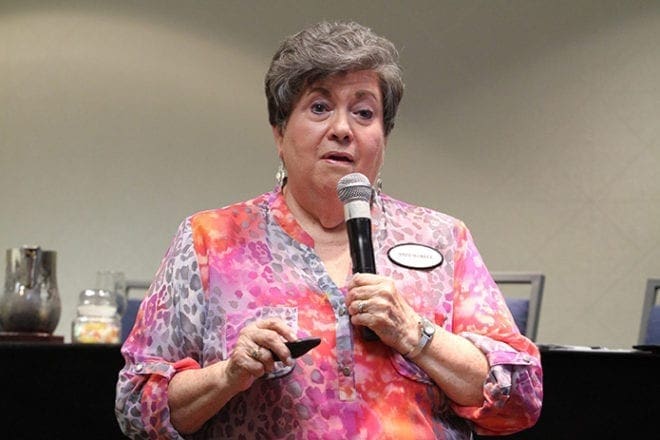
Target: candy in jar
pixel 97 320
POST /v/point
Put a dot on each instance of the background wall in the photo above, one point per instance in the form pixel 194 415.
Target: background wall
pixel 536 122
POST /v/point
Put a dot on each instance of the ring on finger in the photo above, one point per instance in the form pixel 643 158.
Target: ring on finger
pixel 361 307
pixel 255 353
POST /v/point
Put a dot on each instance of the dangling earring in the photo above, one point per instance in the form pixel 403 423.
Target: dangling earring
pixel 280 175
pixel 377 189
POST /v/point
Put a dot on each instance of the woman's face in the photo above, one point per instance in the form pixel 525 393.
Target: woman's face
pixel 335 128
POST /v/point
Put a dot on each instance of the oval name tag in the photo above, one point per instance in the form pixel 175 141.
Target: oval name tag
pixel 415 256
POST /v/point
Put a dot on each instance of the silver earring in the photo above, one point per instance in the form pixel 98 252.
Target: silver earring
pixel 379 184
pixel 377 188
pixel 280 175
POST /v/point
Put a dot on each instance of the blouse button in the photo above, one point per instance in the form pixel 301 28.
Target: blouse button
pixel 346 371
pixel 139 367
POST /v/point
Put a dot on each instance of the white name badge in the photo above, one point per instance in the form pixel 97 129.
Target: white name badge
pixel 415 256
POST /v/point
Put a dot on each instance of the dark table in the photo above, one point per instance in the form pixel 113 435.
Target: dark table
pixel 597 394
pixel 58 391
pixel 62 391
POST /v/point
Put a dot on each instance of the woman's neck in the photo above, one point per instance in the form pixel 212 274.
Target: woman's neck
pixel 318 215
pixel 327 228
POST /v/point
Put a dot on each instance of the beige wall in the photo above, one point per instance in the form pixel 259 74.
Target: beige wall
pixel 534 122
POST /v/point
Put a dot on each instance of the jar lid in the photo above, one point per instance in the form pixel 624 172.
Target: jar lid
pixel 96 310
pixel 98 297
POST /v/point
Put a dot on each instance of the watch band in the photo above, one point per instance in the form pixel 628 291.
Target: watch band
pixel 426 333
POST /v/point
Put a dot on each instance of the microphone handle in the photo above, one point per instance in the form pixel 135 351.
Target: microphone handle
pixel 362 251
pixel 362 254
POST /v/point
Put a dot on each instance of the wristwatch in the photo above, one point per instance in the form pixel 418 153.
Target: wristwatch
pixel 426 332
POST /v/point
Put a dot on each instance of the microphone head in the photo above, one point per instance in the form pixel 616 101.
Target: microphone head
pixel 354 187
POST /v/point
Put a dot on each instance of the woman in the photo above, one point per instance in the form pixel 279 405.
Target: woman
pixel 240 281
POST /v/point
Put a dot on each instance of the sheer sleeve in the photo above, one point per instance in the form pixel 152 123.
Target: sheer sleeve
pixel 513 390
pixel 167 338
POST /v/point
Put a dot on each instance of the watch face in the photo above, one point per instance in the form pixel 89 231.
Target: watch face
pixel 428 327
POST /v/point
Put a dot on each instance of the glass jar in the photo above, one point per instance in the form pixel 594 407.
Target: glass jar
pixel 113 280
pixel 97 321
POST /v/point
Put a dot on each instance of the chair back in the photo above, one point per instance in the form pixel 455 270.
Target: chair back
pixel 526 309
pixel 133 304
pixel 649 329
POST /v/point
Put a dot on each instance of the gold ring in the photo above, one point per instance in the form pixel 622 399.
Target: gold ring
pixel 255 353
pixel 361 307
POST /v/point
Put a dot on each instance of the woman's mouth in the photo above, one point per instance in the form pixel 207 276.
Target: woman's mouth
pixel 338 157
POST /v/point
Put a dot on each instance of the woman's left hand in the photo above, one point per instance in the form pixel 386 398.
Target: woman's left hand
pixel 374 301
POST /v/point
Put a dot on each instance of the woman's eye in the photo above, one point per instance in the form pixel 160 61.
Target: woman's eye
pixel 365 114
pixel 319 107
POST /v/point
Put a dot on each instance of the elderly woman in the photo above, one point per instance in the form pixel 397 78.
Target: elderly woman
pixel 207 356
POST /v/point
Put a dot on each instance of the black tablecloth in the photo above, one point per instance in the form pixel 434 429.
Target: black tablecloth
pixel 58 391
pixel 597 394
pixel 61 391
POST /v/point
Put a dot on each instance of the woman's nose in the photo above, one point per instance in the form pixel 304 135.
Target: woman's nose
pixel 340 128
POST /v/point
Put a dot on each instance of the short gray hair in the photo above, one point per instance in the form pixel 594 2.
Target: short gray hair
pixel 328 48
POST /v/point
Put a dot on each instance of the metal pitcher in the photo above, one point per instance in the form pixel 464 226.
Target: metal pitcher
pixel 31 300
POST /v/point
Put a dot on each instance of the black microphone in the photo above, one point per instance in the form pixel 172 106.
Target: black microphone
pixel 354 190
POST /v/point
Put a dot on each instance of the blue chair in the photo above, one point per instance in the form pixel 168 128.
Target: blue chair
pixel 526 310
pixel 132 306
pixel 649 329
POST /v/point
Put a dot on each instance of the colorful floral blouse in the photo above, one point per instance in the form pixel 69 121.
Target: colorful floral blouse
pixel 230 266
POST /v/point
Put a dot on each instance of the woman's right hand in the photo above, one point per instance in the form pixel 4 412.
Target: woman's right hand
pixel 195 395
pixel 251 357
